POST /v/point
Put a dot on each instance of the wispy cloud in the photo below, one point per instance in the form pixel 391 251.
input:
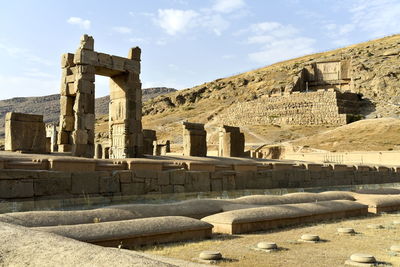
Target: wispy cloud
pixel 82 23
pixel 17 86
pixel 215 18
pixel 276 42
pixel 137 40
pixel 227 6
pixel 25 54
pixel 377 18
pixel 122 30
pixel 174 21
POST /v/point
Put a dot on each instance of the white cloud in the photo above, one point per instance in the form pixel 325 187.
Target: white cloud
pixel 122 30
pixel 283 49
pixel 24 54
pixel 276 42
pixel 82 23
pixel 377 18
pixel 228 6
pixel 174 21
pixel 215 22
pixel 136 40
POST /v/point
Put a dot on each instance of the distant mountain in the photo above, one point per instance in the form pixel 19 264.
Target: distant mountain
pixel 49 106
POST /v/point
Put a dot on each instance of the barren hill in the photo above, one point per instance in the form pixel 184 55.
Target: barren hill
pixel 377 78
pixel 49 106
pixel 364 135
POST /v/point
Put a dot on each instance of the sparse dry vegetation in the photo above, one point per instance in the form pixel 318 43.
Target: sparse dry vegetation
pixel 337 248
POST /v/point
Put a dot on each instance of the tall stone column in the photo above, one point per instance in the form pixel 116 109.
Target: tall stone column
pixel 84 118
pixel 194 139
pixel 125 119
pixel 67 99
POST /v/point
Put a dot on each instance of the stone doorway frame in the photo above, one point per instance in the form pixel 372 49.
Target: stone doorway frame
pixel 77 101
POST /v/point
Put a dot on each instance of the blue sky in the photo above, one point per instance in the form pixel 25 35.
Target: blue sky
pixel 184 42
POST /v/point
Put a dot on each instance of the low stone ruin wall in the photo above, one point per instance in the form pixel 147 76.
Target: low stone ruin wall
pixel 53 179
pixel 322 107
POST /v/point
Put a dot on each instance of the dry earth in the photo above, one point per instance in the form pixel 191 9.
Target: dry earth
pixel 239 249
pixel 365 135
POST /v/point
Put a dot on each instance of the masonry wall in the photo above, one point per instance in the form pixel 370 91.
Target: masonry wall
pixel 323 107
pixel 50 179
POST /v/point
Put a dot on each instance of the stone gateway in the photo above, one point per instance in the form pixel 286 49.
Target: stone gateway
pixel 77 99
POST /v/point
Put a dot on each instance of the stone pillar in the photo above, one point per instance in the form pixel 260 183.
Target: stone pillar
pixel 149 138
pixel 231 142
pixel 77 100
pixel 194 139
pixel 125 119
pixel 51 132
pixel 84 117
pixel 67 99
pixel 98 151
pixel 106 152
pixel 161 148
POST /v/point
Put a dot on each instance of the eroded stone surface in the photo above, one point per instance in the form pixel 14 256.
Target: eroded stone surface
pixel 210 255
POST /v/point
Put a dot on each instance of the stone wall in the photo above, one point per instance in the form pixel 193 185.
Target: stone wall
pixel 322 107
pixel 52 179
pixel 25 133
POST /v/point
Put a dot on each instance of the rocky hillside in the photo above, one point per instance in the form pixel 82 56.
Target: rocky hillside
pixel 49 106
pixel 375 64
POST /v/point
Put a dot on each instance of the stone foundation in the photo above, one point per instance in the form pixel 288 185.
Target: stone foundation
pixel 70 178
pixel 322 107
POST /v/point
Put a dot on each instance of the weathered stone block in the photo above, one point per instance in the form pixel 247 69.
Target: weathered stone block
pixel 164 178
pixel 118 63
pixel 85 183
pixel 198 182
pixel 67 123
pixel 64 148
pixel 145 174
pixel 109 184
pixel 216 185
pixel 125 177
pixel 85 57
pixel 66 104
pixel 167 189
pixel 20 188
pixel 177 176
pixel 52 183
pixel 67 60
pixel 25 132
pixel 72 165
pixel 179 189
pixel 133 189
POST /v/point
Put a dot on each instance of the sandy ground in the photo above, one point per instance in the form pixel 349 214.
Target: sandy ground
pixel 333 251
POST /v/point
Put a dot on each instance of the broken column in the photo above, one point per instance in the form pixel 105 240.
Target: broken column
pixel 194 139
pixel 231 142
pixel 161 147
pixel 51 132
pixel 25 133
pixel 149 137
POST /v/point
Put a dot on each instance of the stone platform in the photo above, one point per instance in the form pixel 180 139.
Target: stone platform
pixel 28 176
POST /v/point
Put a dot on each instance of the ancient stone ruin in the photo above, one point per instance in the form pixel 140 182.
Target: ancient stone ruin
pixel 231 142
pixel 77 101
pixel 25 133
pixel 149 137
pixel 194 139
pixel 161 147
pixel 320 95
pixel 51 132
